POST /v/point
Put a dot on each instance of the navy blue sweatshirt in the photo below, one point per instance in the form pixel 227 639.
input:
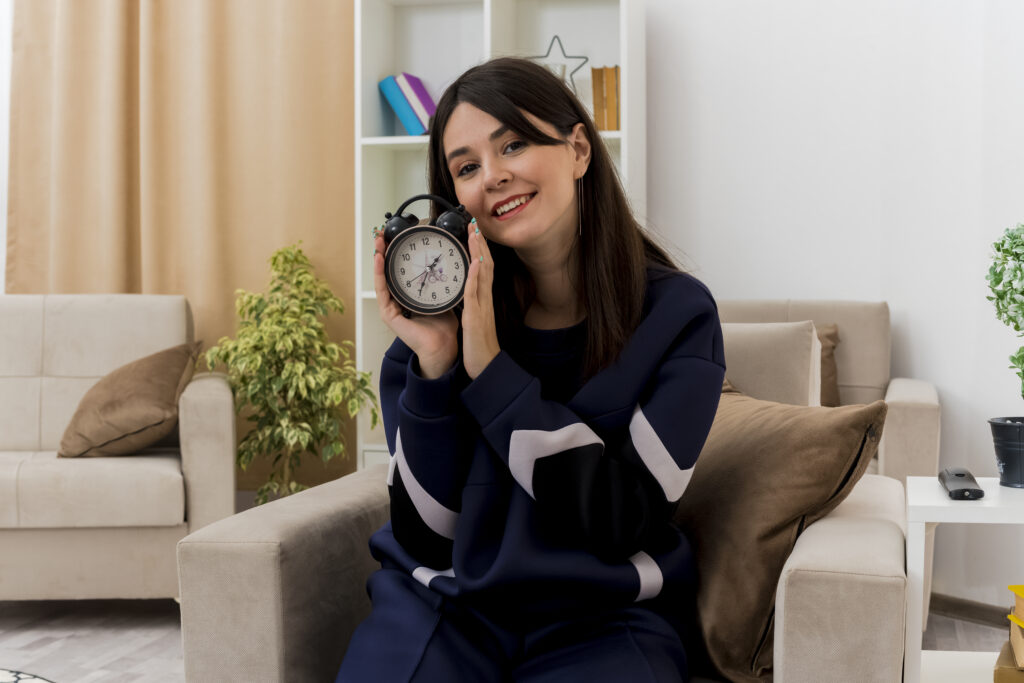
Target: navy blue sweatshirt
pixel 531 496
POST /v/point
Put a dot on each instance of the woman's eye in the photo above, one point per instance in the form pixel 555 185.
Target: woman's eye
pixel 514 146
pixel 468 168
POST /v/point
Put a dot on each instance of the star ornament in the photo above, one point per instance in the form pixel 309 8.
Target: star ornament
pixel 560 62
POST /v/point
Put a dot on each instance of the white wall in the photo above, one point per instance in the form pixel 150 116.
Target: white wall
pixel 857 149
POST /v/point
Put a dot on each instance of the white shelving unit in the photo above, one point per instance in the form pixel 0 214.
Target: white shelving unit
pixel 437 40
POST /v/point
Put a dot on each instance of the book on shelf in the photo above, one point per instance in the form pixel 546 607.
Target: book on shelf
pixel 406 115
pixel 1005 669
pixel 1017 626
pixel 417 96
pixel 597 85
pixel 605 86
pixel 1017 644
pixel 611 97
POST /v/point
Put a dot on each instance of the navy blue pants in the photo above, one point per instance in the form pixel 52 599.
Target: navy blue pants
pixel 413 634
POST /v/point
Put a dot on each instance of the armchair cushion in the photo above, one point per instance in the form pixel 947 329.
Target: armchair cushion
pixel 774 361
pixel 828 335
pixel 132 407
pixel 767 471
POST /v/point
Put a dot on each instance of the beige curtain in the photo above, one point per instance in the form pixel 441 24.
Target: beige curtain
pixel 170 146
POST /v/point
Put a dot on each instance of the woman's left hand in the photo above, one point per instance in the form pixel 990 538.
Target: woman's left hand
pixel 479 334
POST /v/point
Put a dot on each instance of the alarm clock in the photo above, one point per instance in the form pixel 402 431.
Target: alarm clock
pixel 425 266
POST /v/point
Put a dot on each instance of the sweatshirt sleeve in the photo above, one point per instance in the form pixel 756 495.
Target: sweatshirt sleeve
pixel 425 427
pixel 606 490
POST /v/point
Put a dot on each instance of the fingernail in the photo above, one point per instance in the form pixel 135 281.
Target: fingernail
pixel 478 231
pixel 481 259
pixel 473 221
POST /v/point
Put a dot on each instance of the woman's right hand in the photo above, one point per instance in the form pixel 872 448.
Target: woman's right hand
pixel 433 338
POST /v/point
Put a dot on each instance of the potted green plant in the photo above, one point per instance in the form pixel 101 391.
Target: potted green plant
pixel 298 386
pixel 1006 280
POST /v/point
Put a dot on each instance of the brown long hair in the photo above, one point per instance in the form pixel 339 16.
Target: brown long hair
pixel 613 248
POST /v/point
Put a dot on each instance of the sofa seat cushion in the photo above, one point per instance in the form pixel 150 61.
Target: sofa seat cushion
pixel 40 490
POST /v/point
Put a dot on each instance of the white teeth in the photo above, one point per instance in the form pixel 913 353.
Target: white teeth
pixel 505 208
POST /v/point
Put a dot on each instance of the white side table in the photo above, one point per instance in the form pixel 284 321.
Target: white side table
pixel 927 502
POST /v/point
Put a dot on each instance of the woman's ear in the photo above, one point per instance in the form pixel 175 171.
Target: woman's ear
pixel 581 150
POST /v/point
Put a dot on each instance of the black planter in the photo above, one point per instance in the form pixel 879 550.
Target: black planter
pixel 1008 437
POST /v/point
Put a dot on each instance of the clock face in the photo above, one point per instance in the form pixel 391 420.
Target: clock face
pixel 425 268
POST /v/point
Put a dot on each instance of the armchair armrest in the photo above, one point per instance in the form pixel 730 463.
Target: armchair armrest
pixel 840 609
pixel 910 446
pixel 910 439
pixel 275 592
pixel 206 429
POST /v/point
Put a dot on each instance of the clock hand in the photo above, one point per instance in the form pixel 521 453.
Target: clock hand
pixel 423 282
pixel 427 272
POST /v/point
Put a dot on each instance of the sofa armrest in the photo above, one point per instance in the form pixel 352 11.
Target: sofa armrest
pixel 275 592
pixel 910 439
pixel 840 609
pixel 206 430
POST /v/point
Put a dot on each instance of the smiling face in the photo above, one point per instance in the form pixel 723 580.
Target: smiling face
pixel 522 194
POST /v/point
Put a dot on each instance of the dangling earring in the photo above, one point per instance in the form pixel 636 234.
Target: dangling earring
pixel 579 197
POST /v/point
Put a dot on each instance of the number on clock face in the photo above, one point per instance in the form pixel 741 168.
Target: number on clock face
pixel 426 269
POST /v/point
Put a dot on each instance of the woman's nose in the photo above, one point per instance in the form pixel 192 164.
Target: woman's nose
pixel 496 175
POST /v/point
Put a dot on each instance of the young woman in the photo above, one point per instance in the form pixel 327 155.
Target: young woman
pixel 541 439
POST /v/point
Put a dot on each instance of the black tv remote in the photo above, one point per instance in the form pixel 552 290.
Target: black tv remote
pixel 960 484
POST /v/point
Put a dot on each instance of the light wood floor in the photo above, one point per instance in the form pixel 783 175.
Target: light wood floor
pixel 948 633
pixel 93 641
pixel 139 641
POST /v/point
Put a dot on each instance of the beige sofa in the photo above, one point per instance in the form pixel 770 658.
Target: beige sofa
pixel 77 528
pixel 274 593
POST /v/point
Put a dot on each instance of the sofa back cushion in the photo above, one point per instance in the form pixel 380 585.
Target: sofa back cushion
pixel 774 361
pixel 862 358
pixel 55 347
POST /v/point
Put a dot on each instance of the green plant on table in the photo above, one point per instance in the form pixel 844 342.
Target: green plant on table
pixel 299 385
pixel 1006 280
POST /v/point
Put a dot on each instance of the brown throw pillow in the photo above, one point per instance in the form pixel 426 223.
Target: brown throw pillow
pixel 828 335
pixel 766 471
pixel 131 408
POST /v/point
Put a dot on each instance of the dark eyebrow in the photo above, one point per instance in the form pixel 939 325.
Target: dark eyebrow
pixel 463 150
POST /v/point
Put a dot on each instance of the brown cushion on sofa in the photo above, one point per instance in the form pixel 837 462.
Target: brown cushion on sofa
pixel 132 407
pixel 828 335
pixel 766 471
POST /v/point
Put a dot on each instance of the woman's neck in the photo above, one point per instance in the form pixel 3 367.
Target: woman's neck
pixel 555 304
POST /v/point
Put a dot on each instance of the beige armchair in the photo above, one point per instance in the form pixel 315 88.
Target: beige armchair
pixel 910 440
pixel 274 593
pixel 78 528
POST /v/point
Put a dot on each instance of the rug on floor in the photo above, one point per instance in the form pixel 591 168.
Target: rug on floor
pixel 8 676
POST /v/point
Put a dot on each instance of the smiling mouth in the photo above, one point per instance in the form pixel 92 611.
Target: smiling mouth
pixel 512 206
